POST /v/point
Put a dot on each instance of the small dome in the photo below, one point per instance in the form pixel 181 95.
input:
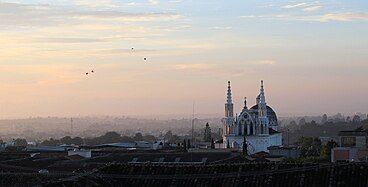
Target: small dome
pixel 271 114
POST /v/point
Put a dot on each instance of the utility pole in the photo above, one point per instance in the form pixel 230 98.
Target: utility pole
pixel 71 126
pixel 288 137
pixel 193 142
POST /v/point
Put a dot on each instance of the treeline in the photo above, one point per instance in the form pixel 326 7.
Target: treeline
pixel 109 137
pixel 293 132
pixel 312 150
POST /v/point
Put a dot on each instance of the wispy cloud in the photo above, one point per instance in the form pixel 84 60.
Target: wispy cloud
pixel 153 2
pixel 220 28
pixel 312 8
pixel 298 5
pixel 344 16
pixel 14 14
pixel 46 74
pixel 347 16
pixel 264 62
pixel 192 67
pixel 308 7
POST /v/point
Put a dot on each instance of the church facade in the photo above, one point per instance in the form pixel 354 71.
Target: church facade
pixel 256 125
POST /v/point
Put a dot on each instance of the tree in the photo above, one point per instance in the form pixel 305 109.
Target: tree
pixel 168 135
pixel 310 146
pixel 326 150
pixel 356 119
pixel 51 142
pixel 207 133
pixel 185 145
pixel 66 140
pixel 20 142
pixel 174 139
pixel 109 137
pixel 292 123
pixel 324 119
pixel 245 147
pixel 69 141
pixel 212 144
pixel 149 138
pixel 302 121
pixel 138 136
pixel 77 141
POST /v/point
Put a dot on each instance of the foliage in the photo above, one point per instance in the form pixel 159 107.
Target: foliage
pixel 185 145
pixel 207 133
pixel 310 147
pixel 108 137
pixel 212 144
pixel 20 142
pixel 326 150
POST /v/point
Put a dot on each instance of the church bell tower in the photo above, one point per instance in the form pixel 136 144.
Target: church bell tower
pixel 229 106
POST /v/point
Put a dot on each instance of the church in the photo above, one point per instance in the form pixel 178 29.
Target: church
pixel 256 125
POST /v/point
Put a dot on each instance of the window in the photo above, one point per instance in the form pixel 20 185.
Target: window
pixel 348 141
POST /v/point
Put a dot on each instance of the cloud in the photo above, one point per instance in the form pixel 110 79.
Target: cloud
pixel 298 5
pixel 123 16
pixel 191 67
pixel 264 62
pixel 312 8
pixel 345 17
pixel 42 74
pixel 348 16
pixel 67 40
pixel 308 7
pixel 153 2
pixel 14 14
pixel 176 1
pixel 220 28
pixel 96 4
pixel 65 30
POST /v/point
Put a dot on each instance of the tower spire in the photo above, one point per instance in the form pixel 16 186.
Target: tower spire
pixel 245 103
pixel 229 97
pixel 229 108
pixel 262 111
pixel 262 98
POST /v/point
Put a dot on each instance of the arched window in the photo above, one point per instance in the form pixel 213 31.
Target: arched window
pixel 235 144
pixel 240 129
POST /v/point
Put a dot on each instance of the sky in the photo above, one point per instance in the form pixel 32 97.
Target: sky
pixel 312 56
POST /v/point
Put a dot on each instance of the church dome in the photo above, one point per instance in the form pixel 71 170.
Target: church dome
pixel 271 114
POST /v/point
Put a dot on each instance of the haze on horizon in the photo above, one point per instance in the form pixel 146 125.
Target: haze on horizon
pixel 311 54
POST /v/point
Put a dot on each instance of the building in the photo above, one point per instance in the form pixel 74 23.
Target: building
pixel 81 152
pixel 286 152
pixel 352 146
pixel 257 125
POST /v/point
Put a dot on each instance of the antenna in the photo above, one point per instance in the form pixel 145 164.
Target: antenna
pixel 71 125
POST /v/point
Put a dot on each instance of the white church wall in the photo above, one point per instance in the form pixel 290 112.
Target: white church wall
pixel 255 143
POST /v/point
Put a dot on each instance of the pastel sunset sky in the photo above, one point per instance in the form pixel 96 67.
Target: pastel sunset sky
pixel 312 55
